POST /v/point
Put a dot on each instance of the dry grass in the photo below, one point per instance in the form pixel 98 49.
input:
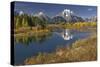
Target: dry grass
pixel 78 26
pixel 31 32
pixel 81 50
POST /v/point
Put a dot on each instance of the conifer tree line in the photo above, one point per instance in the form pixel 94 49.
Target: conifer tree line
pixel 26 20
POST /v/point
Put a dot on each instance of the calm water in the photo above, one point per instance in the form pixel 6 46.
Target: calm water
pixel 26 47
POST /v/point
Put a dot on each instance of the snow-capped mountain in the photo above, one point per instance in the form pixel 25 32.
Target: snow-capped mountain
pixel 42 16
pixel 91 19
pixel 58 19
pixel 68 16
pixel 94 19
pixel 21 13
pixel 65 16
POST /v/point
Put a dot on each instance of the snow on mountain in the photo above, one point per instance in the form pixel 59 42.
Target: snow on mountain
pixel 68 16
pixel 21 13
pixel 42 16
pixel 58 19
pixel 91 19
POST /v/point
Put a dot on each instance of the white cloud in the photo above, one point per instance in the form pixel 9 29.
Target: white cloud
pixel 90 9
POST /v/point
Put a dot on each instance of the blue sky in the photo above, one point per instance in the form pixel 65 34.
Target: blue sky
pixel 54 9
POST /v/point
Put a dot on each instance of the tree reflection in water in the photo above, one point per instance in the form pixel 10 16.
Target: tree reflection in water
pixel 37 38
pixel 42 37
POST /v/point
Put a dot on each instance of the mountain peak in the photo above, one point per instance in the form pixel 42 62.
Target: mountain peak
pixel 41 13
pixel 21 13
pixel 67 15
pixel 42 16
pixel 67 12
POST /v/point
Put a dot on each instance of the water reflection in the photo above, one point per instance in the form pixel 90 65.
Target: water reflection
pixel 36 38
pixel 39 38
pixel 66 34
pixel 44 43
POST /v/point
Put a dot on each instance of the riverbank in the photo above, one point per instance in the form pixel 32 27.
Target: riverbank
pixel 80 26
pixel 31 32
pixel 81 50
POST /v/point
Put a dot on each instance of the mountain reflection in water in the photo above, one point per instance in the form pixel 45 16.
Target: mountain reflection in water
pixel 66 34
pixel 28 46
